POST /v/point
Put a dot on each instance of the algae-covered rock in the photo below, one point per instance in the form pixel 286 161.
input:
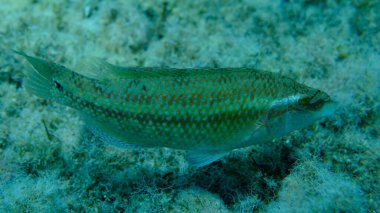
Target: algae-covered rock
pixel 312 188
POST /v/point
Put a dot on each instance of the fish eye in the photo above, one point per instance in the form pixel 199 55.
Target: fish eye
pixel 58 86
pixel 312 102
pixel 304 101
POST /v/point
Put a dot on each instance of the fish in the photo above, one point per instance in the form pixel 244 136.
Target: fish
pixel 206 111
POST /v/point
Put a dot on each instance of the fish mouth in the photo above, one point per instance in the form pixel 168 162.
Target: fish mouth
pixel 328 109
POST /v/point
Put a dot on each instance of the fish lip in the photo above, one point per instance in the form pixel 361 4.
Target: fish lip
pixel 329 108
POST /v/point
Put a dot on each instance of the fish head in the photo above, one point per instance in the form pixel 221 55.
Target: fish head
pixel 298 110
pixel 313 100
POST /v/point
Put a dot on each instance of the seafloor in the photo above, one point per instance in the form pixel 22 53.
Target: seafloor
pixel 50 163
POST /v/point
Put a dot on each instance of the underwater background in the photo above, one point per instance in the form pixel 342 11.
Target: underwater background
pixel 49 161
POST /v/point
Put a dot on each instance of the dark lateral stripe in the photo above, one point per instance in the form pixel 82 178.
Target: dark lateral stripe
pixel 221 118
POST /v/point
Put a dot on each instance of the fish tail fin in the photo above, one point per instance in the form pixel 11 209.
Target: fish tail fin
pixel 40 79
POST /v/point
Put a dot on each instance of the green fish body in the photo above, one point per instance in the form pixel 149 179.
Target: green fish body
pixel 206 111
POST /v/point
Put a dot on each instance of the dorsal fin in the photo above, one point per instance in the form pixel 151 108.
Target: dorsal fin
pixel 96 68
pixel 99 69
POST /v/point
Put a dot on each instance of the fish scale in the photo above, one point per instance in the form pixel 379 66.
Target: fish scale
pixel 168 103
pixel 206 111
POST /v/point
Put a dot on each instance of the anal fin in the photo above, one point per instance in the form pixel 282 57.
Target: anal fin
pixel 201 158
